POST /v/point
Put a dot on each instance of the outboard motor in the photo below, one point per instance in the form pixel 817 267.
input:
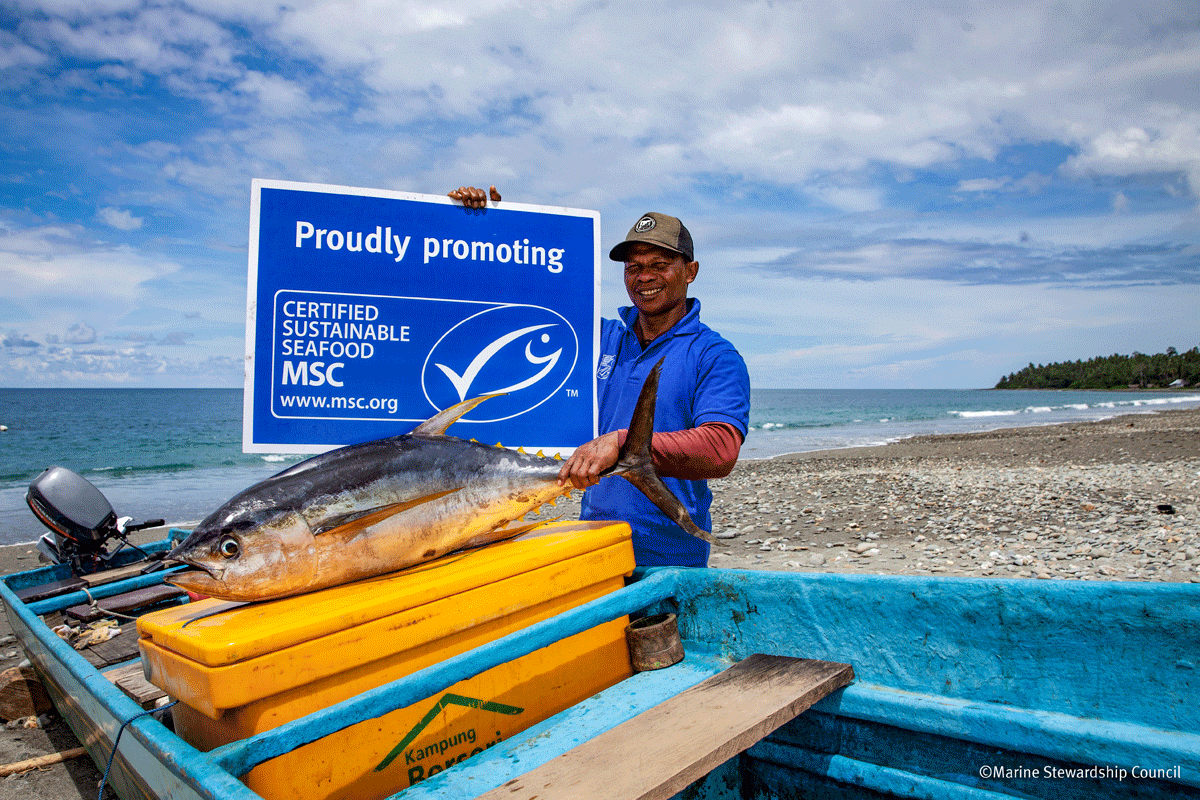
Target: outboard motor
pixel 81 520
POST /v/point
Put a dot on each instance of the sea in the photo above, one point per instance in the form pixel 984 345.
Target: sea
pixel 177 453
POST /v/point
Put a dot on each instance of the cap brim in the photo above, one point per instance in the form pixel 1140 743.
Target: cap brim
pixel 618 253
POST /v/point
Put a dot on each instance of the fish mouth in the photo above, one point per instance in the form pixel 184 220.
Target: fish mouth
pixel 215 574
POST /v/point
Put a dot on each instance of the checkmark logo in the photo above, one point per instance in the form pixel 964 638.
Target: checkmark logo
pixel 462 383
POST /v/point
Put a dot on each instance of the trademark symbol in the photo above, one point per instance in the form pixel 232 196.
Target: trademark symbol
pixel 572 393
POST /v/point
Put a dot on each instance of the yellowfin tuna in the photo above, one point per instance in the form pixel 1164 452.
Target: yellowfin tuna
pixel 377 507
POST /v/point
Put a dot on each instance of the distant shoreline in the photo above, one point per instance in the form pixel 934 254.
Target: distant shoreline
pixel 1124 389
pixel 1001 431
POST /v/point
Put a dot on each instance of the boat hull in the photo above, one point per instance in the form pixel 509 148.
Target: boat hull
pixel 966 688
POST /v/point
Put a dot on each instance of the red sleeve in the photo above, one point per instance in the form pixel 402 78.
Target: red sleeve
pixel 707 451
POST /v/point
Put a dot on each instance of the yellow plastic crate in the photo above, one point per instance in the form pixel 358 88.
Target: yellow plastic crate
pixel 238 671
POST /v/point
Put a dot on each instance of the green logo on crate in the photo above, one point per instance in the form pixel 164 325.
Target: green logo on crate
pixel 458 743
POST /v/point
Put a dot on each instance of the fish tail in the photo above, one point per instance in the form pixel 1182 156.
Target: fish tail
pixel 636 465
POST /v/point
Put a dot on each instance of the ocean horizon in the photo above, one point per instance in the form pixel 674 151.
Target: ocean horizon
pixel 177 453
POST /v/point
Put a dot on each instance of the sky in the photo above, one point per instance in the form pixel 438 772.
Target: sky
pixel 882 194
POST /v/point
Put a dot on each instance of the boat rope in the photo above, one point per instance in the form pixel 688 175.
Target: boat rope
pixel 104 612
pixel 117 741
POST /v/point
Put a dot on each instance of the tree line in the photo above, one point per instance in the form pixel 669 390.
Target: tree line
pixel 1138 371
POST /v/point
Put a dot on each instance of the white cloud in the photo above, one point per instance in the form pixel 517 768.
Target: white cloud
pixel 120 219
pixel 1173 147
pixel 15 53
pixel 80 333
pixel 983 184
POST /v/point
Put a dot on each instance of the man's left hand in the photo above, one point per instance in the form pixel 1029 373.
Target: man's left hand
pixel 471 197
pixel 590 459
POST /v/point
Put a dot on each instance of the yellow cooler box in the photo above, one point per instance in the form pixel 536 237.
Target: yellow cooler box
pixel 240 670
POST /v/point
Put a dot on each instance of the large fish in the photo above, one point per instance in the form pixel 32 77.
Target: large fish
pixel 376 507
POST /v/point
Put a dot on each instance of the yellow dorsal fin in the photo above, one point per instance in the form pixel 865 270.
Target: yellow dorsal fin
pixel 437 424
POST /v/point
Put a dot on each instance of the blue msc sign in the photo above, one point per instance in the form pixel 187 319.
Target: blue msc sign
pixel 370 311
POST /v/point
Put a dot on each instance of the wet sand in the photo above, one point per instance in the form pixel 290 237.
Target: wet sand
pixel 1109 500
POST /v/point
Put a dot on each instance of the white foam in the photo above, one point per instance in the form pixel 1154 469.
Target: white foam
pixel 974 414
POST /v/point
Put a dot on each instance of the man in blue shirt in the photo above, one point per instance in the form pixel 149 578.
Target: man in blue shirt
pixel 703 407
pixel 703 404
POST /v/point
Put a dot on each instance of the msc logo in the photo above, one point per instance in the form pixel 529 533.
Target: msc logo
pixel 523 352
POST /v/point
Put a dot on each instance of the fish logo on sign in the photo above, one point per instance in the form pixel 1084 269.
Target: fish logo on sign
pixel 525 353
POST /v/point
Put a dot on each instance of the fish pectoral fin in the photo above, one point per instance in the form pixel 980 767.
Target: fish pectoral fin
pixel 507 531
pixel 355 521
pixel 439 422
pixel 512 529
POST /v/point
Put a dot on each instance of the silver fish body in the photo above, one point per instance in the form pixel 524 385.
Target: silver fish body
pixel 380 506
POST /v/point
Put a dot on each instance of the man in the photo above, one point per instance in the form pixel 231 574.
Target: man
pixel 703 404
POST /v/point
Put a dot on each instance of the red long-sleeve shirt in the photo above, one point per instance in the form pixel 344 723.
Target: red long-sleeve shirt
pixel 707 451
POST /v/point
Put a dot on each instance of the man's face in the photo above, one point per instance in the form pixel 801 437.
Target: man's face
pixel 657 279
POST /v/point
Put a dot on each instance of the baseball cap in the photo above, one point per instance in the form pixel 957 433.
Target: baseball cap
pixel 657 229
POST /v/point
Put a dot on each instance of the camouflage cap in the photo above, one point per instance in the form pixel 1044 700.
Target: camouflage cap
pixel 656 229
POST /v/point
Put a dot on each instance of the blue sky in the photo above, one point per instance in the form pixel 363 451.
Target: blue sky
pixel 882 194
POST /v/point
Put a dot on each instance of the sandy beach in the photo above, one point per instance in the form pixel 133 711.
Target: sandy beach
pixel 1108 500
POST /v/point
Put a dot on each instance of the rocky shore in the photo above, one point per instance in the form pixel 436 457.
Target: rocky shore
pixel 1114 500
pixel 1110 500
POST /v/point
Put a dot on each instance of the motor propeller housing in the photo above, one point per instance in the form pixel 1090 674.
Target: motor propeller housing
pixel 80 518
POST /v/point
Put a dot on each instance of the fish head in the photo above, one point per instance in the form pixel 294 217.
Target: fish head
pixel 255 555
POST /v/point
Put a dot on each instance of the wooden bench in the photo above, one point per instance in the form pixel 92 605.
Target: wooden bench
pixel 129 679
pixel 658 753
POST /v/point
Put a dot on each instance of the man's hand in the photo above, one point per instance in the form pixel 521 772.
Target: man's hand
pixel 590 459
pixel 471 197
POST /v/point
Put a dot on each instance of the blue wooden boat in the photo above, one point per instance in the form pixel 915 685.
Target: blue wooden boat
pixel 964 688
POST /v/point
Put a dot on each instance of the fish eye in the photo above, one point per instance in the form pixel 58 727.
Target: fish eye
pixel 229 547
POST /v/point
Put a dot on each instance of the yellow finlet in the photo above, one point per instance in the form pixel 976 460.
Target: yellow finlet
pixel 499 445
pixel 521 450
pixel 557 457
pixel 541 454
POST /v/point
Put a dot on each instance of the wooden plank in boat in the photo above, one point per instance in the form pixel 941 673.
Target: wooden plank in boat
pixel 44 591
pixel 110 575
pixel 659 752
pixel 125 603
pixel 130 680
